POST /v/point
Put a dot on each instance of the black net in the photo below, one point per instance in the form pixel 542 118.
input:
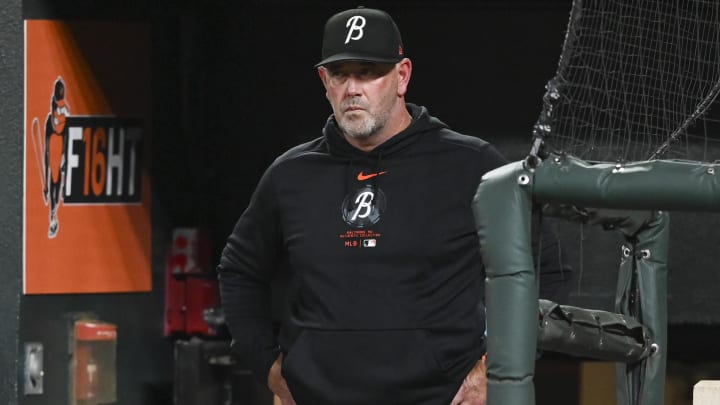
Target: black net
pixel 636 80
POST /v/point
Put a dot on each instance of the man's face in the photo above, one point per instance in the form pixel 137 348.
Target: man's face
pixel 362 95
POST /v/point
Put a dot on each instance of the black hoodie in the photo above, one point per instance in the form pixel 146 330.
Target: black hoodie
pixel 384 302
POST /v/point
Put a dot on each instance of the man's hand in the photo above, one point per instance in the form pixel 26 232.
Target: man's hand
pixel 277 383
pixel 473 390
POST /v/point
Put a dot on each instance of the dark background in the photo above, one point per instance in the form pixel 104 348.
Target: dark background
pixel 233 86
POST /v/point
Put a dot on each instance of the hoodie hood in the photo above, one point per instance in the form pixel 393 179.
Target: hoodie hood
pixel 421 123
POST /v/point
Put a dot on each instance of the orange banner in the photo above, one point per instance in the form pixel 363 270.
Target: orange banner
pixel 87 226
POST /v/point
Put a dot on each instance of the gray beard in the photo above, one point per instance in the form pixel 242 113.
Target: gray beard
pixel 360 129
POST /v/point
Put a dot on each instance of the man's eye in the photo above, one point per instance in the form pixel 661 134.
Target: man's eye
pixel 367 73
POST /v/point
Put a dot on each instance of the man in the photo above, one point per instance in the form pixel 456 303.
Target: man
pixel 373 222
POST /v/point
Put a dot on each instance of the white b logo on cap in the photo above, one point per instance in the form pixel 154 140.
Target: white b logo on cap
pixel 356 24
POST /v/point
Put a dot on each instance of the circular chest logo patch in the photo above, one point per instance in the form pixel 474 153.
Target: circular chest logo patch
pixel 363 207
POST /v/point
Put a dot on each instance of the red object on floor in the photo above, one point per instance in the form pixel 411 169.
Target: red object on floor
pixel 200 294
pixel 174 303
pixel 190 285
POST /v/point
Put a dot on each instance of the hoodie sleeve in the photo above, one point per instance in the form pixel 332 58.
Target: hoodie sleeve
pixel 247 266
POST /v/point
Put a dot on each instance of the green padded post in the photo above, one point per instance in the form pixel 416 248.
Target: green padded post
pixel 502 208
pixel 645 253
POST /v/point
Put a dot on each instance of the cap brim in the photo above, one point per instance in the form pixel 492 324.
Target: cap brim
pixel 356 57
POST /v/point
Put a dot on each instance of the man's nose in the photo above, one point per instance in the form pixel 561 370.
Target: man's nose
pixel 353 85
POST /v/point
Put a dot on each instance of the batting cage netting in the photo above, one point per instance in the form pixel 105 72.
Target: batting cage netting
pixel 628 131
pixel 636 80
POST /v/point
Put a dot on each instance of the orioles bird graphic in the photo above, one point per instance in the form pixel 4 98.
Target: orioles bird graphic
pixel 54 145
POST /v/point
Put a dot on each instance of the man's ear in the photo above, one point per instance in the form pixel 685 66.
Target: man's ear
pixel 404 71
pixel 322 72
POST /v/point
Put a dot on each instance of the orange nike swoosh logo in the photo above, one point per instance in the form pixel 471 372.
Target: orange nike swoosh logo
pixel 362 176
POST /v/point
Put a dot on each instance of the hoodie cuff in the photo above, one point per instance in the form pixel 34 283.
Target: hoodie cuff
pixel 264 359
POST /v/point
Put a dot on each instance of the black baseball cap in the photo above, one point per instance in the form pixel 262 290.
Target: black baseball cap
pixel 362 34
